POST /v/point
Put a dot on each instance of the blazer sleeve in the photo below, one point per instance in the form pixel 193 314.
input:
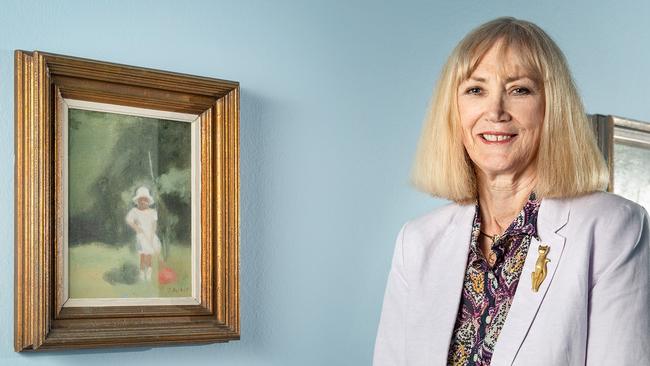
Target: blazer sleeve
pixel 390 345
pixel 619 302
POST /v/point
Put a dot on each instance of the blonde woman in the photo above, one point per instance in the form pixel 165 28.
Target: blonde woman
pixel 532 263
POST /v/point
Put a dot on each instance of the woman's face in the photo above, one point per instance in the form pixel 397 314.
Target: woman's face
pixel 501 113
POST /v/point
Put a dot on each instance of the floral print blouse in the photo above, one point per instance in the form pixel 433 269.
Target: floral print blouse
pixel 488 291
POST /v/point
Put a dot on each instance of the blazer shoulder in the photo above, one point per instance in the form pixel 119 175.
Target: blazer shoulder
pixel 605 205
pixel 435 222
pixel 612 226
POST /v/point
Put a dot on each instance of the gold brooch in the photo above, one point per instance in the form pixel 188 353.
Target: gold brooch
pixel 540 267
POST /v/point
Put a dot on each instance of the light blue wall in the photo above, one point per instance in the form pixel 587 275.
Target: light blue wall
pixel 333 94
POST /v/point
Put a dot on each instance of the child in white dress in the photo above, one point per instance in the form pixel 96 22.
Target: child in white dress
pixel 143 220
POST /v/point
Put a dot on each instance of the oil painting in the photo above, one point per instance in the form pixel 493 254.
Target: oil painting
pixel 129 184
pixel 126 205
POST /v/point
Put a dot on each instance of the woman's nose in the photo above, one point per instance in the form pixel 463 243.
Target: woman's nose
pixel 496 110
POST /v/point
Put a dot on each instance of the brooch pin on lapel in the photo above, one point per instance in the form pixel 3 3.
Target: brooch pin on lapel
pixel 540 267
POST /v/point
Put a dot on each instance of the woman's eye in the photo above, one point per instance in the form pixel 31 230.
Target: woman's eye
pixel 521 91
pixel 473 90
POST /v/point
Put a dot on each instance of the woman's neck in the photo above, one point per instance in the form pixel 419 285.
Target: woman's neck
pixel 501 198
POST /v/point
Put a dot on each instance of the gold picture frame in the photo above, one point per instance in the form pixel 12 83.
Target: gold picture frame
pixel 625 144
pixel 43 82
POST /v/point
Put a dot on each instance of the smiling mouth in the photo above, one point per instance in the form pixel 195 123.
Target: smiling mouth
pixel 497 138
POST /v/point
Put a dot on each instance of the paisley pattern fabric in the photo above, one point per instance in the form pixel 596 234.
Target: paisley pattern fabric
pixel 488 291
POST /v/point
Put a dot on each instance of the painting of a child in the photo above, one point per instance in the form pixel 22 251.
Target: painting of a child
pixel 130 213
pixel 144 220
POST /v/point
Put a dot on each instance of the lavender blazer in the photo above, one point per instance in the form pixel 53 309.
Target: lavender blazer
pixel 592 309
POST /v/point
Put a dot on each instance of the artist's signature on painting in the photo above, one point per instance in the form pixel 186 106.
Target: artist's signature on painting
pixel 178 290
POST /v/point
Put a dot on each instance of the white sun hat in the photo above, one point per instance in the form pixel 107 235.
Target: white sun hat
pixel 143 192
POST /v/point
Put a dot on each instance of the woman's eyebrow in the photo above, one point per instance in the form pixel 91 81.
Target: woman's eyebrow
pixel 508 80
pixel 519 77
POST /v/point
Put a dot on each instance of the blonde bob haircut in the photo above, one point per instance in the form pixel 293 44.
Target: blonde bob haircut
pixel 569 162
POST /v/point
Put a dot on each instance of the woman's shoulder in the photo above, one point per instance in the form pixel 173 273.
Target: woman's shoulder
pixel 610 230
pixel 438 220
pixel 605 204
pixel 608 220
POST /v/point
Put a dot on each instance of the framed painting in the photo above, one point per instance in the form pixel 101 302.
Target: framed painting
pixel 626 146
pixel 127 205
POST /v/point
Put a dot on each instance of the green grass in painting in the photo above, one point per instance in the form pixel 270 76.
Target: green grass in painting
pixel 90 265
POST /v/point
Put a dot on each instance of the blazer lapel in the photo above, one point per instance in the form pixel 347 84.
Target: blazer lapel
pixel 552 216
pixel 435 301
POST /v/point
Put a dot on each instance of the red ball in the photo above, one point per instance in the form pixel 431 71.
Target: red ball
pixel 166 275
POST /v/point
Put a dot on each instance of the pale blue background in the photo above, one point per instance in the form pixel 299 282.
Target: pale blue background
pixel 333 94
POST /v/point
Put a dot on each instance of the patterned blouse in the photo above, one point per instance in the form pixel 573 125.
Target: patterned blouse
pixel 488 291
